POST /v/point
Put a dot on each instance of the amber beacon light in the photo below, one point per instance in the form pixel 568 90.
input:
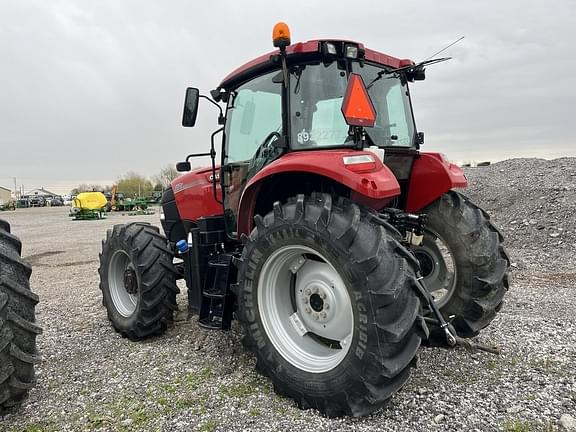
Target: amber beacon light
pixel 281 35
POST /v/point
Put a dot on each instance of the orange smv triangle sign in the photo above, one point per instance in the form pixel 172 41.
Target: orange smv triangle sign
pixel 357 107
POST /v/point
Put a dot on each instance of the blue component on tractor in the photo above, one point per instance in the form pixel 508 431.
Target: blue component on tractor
pixel 182 246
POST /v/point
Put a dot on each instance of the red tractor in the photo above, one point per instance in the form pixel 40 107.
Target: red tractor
pixel 336 243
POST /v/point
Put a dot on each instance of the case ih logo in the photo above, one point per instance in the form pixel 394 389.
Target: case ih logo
pixel 179 187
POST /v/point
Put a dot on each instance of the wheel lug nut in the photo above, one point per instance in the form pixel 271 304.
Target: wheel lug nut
pixel 324 315
pixel 316 317
pixel 305 300
pixel 326 306
pixel 322 296
pixel 307 291
pixel 308 310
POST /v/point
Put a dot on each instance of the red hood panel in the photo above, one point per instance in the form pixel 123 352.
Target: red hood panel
pixel 194 194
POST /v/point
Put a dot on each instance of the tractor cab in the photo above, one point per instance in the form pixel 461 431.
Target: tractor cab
pixel 316 96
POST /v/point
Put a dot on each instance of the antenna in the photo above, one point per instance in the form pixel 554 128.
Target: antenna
pixel 445 48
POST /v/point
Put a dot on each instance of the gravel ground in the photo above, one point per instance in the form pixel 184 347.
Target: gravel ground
pixel 192 379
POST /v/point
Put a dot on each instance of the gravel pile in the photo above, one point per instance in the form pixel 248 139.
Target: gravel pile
pixel 533 202
pixel 193 379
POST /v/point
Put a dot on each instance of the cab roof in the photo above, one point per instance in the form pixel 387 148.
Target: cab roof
pixel 265 63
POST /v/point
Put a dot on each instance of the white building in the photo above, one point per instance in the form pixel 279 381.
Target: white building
pixel 43 193
pixel 5 195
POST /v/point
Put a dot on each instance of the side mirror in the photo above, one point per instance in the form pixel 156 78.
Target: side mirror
pixel 190 108
pixel 420 138
pixel 183 166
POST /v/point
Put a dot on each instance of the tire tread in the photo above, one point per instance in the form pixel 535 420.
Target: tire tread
pixel 18 329
pixel 157 276
pixel 376 261
pixel 479 297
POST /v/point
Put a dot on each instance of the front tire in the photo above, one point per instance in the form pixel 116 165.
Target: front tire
pixel 463 263
pixel 350 358
pixel 18 329
pixel 138 280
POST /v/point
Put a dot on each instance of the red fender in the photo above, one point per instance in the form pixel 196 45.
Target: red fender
pixel 374 186
pixel 432 176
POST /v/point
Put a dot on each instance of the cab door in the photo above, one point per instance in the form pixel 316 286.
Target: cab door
pixel 253 123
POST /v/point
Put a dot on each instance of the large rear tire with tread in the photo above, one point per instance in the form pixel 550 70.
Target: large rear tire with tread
pixel 307 255
pixel 475 291
pixel 138 280
pixel 18 329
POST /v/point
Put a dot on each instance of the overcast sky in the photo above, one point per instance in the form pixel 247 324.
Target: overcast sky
pixel 92 89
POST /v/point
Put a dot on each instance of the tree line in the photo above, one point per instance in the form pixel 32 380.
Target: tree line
pixel 133 184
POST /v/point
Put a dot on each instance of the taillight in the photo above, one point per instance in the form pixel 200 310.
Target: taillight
pixel 360 163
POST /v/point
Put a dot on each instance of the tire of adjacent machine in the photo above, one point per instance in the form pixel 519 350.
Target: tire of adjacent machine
pixel 18 330
pixel 480 261
pixel 372 291
pixel 138 280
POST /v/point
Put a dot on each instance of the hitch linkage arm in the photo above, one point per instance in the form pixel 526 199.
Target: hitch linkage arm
pixel 412 227
pixel 451 338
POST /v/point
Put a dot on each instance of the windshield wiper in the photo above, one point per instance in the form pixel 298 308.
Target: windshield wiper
pixel 418 67
pixel 409 69
pixel 297 71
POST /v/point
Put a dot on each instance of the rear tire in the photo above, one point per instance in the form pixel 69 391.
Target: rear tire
pixel 18 330
pixel 138 280
pixel 475 292
pixel 368 276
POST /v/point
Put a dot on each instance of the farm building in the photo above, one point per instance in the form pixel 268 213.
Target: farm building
pixel 37 198
pixel 5 195
pixel 39 193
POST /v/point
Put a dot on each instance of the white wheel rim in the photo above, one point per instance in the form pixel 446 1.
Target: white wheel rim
pixel 305 309
pixel 124 302
pixel 438 267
